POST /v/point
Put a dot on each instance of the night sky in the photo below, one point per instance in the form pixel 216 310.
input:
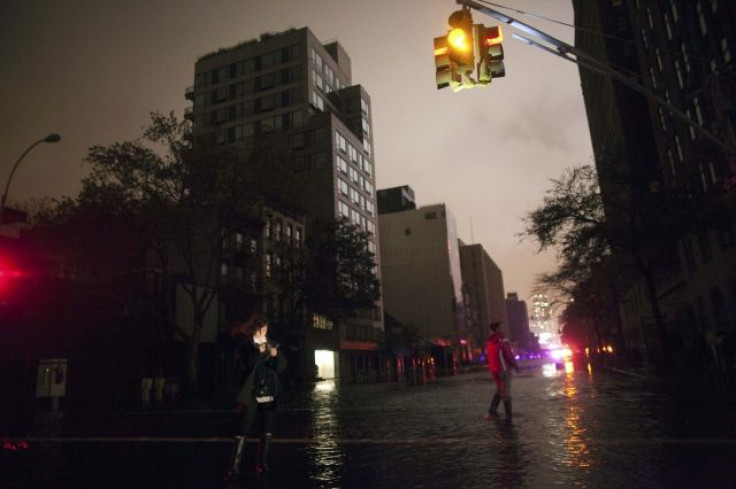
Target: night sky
pixel 92 70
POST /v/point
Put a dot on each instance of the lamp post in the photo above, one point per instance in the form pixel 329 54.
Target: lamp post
pixel 51 138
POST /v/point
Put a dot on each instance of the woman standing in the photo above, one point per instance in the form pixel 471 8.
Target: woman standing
pixel 261 364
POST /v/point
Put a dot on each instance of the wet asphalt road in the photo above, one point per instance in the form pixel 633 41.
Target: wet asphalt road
pixel 584 429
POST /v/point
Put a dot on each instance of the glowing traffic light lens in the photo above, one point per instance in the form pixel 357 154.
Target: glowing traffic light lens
pixel 492 40
pixel 458 39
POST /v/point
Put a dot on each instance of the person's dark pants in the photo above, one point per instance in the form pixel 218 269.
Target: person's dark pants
pixel 266 413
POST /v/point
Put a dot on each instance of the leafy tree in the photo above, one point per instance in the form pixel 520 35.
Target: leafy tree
pixel 630 229
pixel 179 199
pixel 341 273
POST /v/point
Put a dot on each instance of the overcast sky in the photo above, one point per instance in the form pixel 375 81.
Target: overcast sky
pixel 92 70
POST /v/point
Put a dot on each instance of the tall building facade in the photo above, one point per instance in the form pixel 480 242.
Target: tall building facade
pixel 518 316
pixel 422 280
pixel 681 51
pixel 542 324
pixel 291 87
pixel 483 282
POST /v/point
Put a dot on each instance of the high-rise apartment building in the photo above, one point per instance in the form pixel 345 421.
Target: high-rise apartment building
pixel 683 53
pixel 422 281
pixel 291 88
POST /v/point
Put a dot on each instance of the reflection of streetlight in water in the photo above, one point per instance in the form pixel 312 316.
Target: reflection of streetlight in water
pixel 326 453
pixel 577 452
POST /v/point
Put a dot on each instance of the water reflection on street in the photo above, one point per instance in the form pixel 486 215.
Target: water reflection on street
pixel 577 428
pixel 326 454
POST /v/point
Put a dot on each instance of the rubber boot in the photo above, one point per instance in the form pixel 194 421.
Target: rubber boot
pixel 237 457
pixel 507 409
pixel 264 466
pixel 493 410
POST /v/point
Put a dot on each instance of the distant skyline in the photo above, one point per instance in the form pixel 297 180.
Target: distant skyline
pixel 93 70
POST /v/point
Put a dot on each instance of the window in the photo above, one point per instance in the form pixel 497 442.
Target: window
pixel 354 196
pixel 298 237
pixel 662 119
pixel 343 209
pixel 653 77
pixel 690 128
pixel 342 143
pixel 342 165
pixel 267 259
pixel 318 82
pixel 317 101
pixel 725 50
pixel 685 57
pixel 355 216
pixel 680 79
pixel 267 228
pixel 343 186
pixel 678 146
pixel 317 59
pixel 701 19
pixel 288 230
pixel 253 246
pixel 698 111
pixel 223 269
pixel 430 215
pixel 673 7
pixel 278 229
pixel 354 176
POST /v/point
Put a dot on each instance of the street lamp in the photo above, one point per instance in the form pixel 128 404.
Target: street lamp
pixel 51 138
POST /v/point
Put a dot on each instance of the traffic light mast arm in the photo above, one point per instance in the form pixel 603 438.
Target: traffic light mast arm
pixel 574 55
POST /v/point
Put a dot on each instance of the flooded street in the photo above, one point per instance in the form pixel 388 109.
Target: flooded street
pixel 581 429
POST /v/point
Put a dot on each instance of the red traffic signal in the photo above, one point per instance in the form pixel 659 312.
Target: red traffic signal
pixel 489 42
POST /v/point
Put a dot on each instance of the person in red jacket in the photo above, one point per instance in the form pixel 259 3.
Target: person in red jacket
pixel 500 361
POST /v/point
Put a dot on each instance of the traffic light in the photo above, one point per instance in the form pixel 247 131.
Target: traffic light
pixel 460 40
pixel 447 75
pixel 454 53
pixel 489 45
